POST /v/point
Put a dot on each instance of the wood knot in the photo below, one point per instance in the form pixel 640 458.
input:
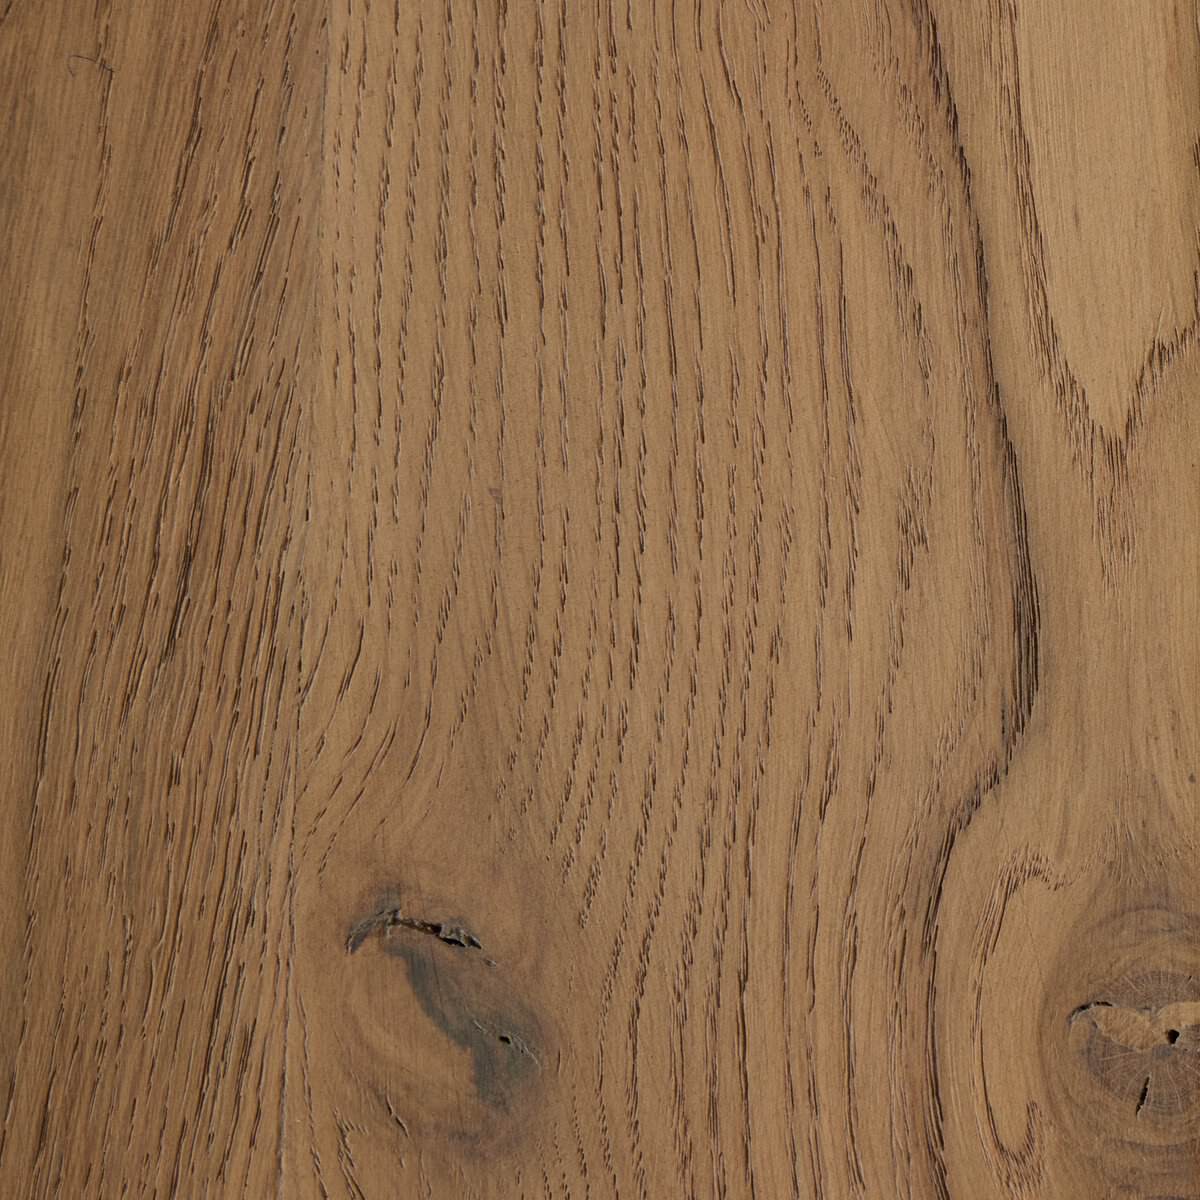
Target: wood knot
pixel 1120 1047
pixel 449 1033
pixel 1142 1043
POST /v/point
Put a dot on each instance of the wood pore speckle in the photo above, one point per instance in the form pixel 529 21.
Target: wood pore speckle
pixel 600 600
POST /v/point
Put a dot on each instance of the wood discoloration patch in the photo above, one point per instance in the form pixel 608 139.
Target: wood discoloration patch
pixel 471 1010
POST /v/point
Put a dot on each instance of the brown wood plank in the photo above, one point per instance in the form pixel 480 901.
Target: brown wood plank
pixel 602 600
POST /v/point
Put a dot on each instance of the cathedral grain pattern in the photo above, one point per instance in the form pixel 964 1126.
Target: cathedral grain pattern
pixel 601 599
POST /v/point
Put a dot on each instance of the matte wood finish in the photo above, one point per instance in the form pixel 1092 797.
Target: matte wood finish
pixel 600 599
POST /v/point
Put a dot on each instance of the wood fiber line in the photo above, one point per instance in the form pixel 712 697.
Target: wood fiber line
pixel 601 600
pixel 158 226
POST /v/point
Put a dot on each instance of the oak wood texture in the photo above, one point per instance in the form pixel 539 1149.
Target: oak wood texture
pixel 600 599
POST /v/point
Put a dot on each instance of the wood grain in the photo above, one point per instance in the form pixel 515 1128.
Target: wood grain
pixel 601 599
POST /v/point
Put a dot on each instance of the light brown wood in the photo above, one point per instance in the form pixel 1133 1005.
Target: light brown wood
pixel 159 226
pixel 601 599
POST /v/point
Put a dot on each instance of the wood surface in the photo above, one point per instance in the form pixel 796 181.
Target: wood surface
pixel 600 599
